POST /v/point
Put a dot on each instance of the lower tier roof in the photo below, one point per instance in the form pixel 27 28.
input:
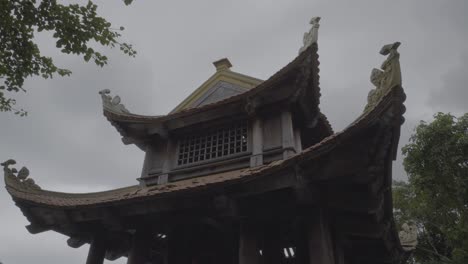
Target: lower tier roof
pixel 359 157
pixel 22 192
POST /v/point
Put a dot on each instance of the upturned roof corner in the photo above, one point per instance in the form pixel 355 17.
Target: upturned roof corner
pixel 311 36
pixel 112 104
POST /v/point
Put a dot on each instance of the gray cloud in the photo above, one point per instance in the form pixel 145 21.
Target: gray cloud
pixel 453 94
pixel 69 146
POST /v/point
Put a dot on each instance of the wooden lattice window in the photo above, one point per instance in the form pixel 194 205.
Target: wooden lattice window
pixel 213 143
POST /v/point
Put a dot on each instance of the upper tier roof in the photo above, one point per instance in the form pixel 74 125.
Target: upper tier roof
pixel 296 83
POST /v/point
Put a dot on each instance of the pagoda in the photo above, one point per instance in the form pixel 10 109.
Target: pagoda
pixel 243 171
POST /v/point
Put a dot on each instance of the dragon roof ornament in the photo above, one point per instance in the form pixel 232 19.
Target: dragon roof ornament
pixel 408 236
pixel 387 77
pixel 112 103
pixel 311 36
pixel 18 178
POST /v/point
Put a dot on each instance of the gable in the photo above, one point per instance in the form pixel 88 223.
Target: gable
pixel 223 84
pixel 218 92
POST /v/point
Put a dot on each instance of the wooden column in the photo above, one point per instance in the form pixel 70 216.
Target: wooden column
pixel 339 249
pixel 177 251
pixel 139 252
pixel 272 248
pixel 297 140
pixel 97 249
pixel 319 239
pixel 248 245
pixel 257 143
pixel 168 161
pixel 287 135
pixel 339 255
pixel 146 162
pixel 302 251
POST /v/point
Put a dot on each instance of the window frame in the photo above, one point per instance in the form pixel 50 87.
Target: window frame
pixel 214 127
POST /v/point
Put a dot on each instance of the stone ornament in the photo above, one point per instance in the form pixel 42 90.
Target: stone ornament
pixel 20 177
pixel 387 77
pixel 311 36
pixel 408 236
pixel 112 103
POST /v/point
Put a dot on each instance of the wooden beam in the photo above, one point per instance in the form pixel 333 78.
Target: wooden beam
pixel 357 202
pixel 158 129
pixel 76 242
pixel 277 181
pixel 111 219
pixel 36 229
pixel 363 227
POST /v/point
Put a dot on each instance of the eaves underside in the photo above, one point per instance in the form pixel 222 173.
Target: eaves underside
pixel 394 98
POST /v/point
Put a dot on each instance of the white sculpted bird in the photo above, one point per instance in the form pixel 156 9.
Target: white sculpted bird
pixel 23 173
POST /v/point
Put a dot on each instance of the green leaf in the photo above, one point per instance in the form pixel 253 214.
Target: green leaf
pixel 75 28
pixel 436 194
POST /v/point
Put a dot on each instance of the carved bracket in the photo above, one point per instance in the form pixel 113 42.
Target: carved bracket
pixel 251 106
pixel 387 77
pixel 18 177
pixel 112 103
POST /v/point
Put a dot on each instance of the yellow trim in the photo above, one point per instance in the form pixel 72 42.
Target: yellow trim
pixel 224 75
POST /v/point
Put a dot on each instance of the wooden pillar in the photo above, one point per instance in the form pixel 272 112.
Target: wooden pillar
pixel 146 162
pixel 97 249
pixel 177 251
pixel 301 243
pixel 257 143
pixel 272 247
pixel 297 140
pixel 168 161
pixel 287 135
pixel 339 255
pixel 339 249
pixel 320 244
pixel 248 245
pixel 140 249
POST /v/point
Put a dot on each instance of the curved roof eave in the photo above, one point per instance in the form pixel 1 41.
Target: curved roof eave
pixel 24 193
pixel 127 117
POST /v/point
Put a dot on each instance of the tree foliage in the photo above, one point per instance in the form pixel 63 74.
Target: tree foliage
pixel 435 197
pixel 75 27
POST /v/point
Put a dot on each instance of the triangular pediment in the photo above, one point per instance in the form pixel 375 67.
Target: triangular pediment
pixel 218 92
pixel 223 84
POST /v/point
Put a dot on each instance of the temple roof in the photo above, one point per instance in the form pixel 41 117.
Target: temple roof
pixel 347 167
pixel 347 173
pixel 23 193
pixel 297 82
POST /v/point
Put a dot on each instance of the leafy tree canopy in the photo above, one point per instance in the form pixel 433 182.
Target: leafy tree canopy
pixel 436 196
pixel 76 27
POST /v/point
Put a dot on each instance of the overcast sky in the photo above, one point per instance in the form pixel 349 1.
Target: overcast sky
pixel 69 146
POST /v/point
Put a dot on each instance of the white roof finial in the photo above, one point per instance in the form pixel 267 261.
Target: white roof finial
pixel 112 103
pixel 311 36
